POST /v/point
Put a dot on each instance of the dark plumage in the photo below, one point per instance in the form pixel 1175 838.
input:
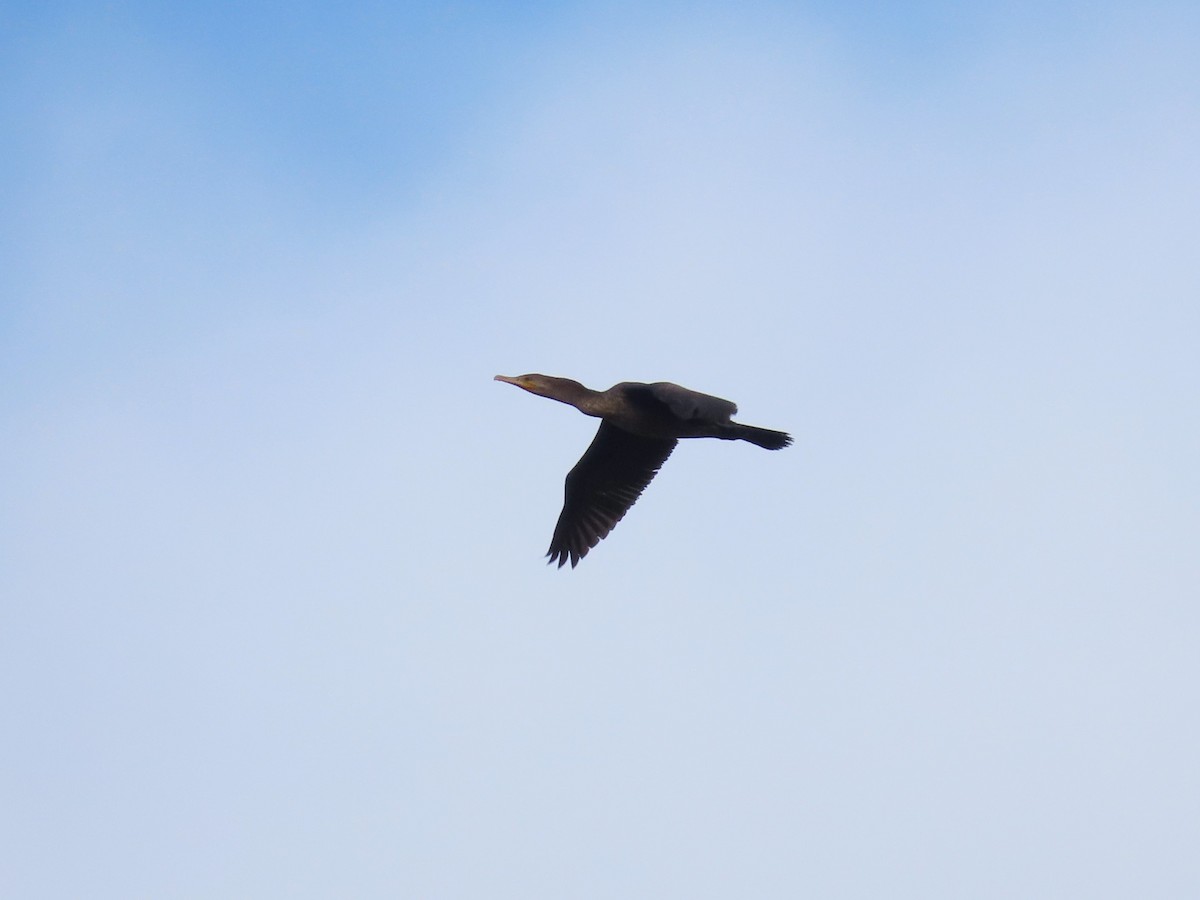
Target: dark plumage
pixel 640 426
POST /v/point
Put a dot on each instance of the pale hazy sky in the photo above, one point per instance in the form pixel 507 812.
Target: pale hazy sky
pixel 274 617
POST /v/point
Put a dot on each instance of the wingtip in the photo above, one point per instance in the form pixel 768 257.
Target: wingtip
pixel 562 555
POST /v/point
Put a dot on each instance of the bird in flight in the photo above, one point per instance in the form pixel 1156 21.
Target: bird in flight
pixel 639 427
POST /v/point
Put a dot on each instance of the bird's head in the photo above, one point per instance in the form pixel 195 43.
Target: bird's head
pixel 544 385
pixel 521 381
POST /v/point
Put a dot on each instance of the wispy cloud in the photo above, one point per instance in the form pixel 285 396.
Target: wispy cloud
pixel 273 534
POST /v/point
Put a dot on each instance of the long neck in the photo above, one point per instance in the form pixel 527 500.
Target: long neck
pixel 575 394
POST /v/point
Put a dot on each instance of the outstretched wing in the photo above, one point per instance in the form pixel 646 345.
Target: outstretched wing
pixel 606 481
pixel 692 405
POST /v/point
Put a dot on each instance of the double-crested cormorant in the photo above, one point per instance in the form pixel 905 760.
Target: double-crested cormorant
pixel 640 425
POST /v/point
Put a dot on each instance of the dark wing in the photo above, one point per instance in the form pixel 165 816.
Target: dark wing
pixel 605 482
pixel 692 405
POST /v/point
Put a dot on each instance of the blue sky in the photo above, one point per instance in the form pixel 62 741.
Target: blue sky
pixel 275 619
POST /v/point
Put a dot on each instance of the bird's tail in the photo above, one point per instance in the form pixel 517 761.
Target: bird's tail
pixel 764 437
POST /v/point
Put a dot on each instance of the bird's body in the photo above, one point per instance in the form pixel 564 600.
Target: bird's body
pixel 640 426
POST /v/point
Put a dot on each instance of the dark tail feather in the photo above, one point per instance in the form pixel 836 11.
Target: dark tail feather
pixel 764 437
